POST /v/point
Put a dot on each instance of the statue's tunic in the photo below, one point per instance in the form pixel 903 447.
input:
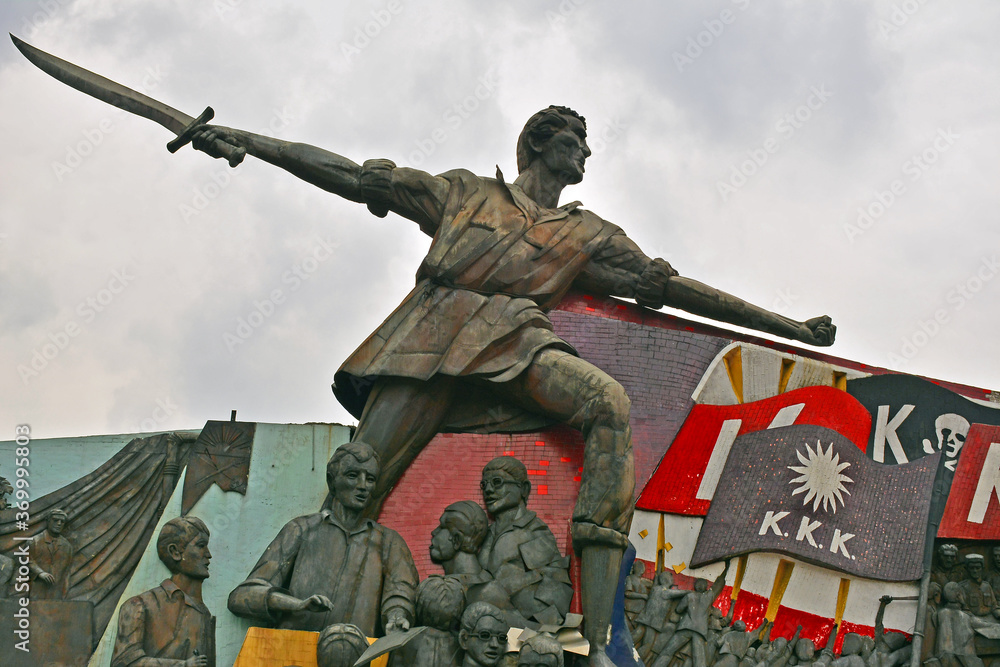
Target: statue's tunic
pixel 163 627
pixel 524 559
pixel 366 573
pixel 498 261
pixel 52 554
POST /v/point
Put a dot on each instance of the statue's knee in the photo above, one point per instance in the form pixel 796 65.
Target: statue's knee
pixel 611 406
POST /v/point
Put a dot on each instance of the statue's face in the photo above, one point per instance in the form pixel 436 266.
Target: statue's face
pixel 355 482
pixel 996 558
pixel 566 152
pixel 57 523
pixel 528 658
pixel 947 560
pixel 500 491
pixel 443 546
pixel 486 644
pixel 975 569
pixel 195 558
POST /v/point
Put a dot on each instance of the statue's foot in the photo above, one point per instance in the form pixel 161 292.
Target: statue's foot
pixel 598 658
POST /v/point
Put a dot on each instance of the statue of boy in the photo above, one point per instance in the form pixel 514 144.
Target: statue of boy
pixel 334 566
pixel 51 558
pixel 520 551
pixel 170 626
pixel 440 603
pixel 540 651
pixel 483 636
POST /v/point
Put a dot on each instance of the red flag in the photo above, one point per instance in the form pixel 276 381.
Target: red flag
pixel 973 509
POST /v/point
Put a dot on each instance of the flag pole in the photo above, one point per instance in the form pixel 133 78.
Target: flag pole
pixel 938 500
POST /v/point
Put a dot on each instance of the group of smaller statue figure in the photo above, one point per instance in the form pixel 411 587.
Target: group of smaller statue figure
pixel 339 573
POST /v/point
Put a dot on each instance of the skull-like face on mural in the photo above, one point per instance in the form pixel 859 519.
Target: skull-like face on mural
pixel 951 432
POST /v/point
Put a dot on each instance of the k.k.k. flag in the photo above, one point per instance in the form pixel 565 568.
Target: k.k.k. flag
pixel 973 509
pixel 811 493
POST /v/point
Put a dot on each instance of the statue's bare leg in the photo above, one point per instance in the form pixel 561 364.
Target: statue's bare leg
pixel 401 416
pixel 577 393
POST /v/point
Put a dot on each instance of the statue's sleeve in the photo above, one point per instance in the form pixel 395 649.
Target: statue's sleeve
pixel 620 268
pixel 129 646
pixel 399 584
pixel 412 193
pixel 271 573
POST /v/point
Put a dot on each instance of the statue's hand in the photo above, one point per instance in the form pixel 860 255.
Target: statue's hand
pixel 204 139
pixel 818 331
pixel 47 578
pixel 396 622
pixel 196 661
pixel 316 603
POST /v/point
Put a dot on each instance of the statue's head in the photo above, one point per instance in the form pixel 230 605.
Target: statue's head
pixel 948 555
pixel 995 558
pixel 805 650
pixel 483 635
pixel 57 521
pixel 852 644
pixel 542 650
pixel 895 640
pixel 700 585
pixel 183 547
pixel 638 568
pixel 351 475
pixel 440 602
pixel 974 564
pixel 340 645
pixel 664 578
pixel 505 484
pixel 934 593
pixel 740 626
pixel 952 592
pixel 462 528
pixel 557 136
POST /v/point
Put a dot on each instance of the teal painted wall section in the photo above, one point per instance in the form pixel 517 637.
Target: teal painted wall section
pixel 287 479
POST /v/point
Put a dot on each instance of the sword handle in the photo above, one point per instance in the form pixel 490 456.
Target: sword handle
pixel 234 154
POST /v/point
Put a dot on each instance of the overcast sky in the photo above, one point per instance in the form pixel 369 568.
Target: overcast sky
pixel 737 139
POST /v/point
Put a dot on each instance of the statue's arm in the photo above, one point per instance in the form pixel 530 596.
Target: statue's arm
pixel 263 596
pixel 412 193
pixel 620 268
pixel 130 648
pixel 399 588
pixel 720 582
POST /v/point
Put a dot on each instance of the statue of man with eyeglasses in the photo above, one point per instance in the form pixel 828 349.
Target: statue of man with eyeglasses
pixel 520 551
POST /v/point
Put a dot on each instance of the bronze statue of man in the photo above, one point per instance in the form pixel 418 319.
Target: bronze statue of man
pixel 471 347
pixel 170 626
pixel 51 558
pixel 334 566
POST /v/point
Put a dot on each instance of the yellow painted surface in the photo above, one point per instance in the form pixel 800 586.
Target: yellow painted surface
pixel 781 578
pixel 845 587
pixel 643 533
pixel 787 366
pixel 734 367
pixel 741 570
pixel 265 647
pixel 840 380
pixel 680 567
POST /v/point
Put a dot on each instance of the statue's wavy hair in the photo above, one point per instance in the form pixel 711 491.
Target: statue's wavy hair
pixel 540 128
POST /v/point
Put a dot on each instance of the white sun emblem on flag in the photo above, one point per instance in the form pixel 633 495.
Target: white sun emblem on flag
pixel 820 477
